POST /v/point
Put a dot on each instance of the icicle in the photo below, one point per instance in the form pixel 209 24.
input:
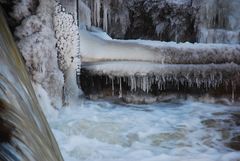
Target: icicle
pixel 132 83
pixel 233 91
pixel 148 85
pixel 144 84
pixel 84 14
pixel 105 15
pixel 96 12
pixel 112 86
pixel 216 22
pixel 106 80
pixel 120 88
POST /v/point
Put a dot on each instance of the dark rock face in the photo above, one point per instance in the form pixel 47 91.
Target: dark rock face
pixel 165 20
pixel 157 20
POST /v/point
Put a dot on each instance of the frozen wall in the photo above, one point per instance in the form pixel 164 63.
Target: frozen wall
pixel 36 41
pixel 207 21
pixel 219 21
pixel 67 34
pixel 70 6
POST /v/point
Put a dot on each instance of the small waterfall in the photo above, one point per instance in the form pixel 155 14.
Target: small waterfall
pixel 24 134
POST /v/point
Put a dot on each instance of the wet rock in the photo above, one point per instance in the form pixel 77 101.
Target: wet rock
pixel 210 123
pixel 235 143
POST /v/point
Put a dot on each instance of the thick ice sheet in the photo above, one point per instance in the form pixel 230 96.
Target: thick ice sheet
pixel 128 68
pixel 98 47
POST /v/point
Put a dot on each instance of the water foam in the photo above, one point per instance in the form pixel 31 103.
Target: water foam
pixel 103 131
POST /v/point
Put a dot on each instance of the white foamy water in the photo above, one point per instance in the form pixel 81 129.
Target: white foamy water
pixel 181 131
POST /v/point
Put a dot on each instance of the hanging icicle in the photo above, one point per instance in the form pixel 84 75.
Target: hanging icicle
pixel 96 12
pixel 106 15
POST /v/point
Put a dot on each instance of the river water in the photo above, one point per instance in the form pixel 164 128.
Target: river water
pixel 172 131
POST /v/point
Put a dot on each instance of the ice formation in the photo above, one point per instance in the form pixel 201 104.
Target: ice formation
pixel 96 5
pixel 84 15
pixel 106 15
pixel 94 48
pixel 210 21
pixel 142 75
pixel 22 9
pixel 49 41
pixel 66 31
pixel 145 65
pixel 37 45
pixel 219 21
pixel 98 13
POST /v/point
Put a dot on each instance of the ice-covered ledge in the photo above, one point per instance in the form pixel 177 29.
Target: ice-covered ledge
pixel 97 46
pixel 138 67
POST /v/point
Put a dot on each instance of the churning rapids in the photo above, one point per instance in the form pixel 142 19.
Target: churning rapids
pixel 174 131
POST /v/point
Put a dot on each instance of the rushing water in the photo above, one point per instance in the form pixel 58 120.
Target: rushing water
pixel 176 131
pixel 24 132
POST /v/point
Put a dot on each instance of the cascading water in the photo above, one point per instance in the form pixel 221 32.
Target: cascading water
pixel 24 133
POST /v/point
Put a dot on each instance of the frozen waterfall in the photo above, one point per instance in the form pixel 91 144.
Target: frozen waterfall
pixel 219 21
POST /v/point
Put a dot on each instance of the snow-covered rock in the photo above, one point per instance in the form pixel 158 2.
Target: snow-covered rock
pixel 37 45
